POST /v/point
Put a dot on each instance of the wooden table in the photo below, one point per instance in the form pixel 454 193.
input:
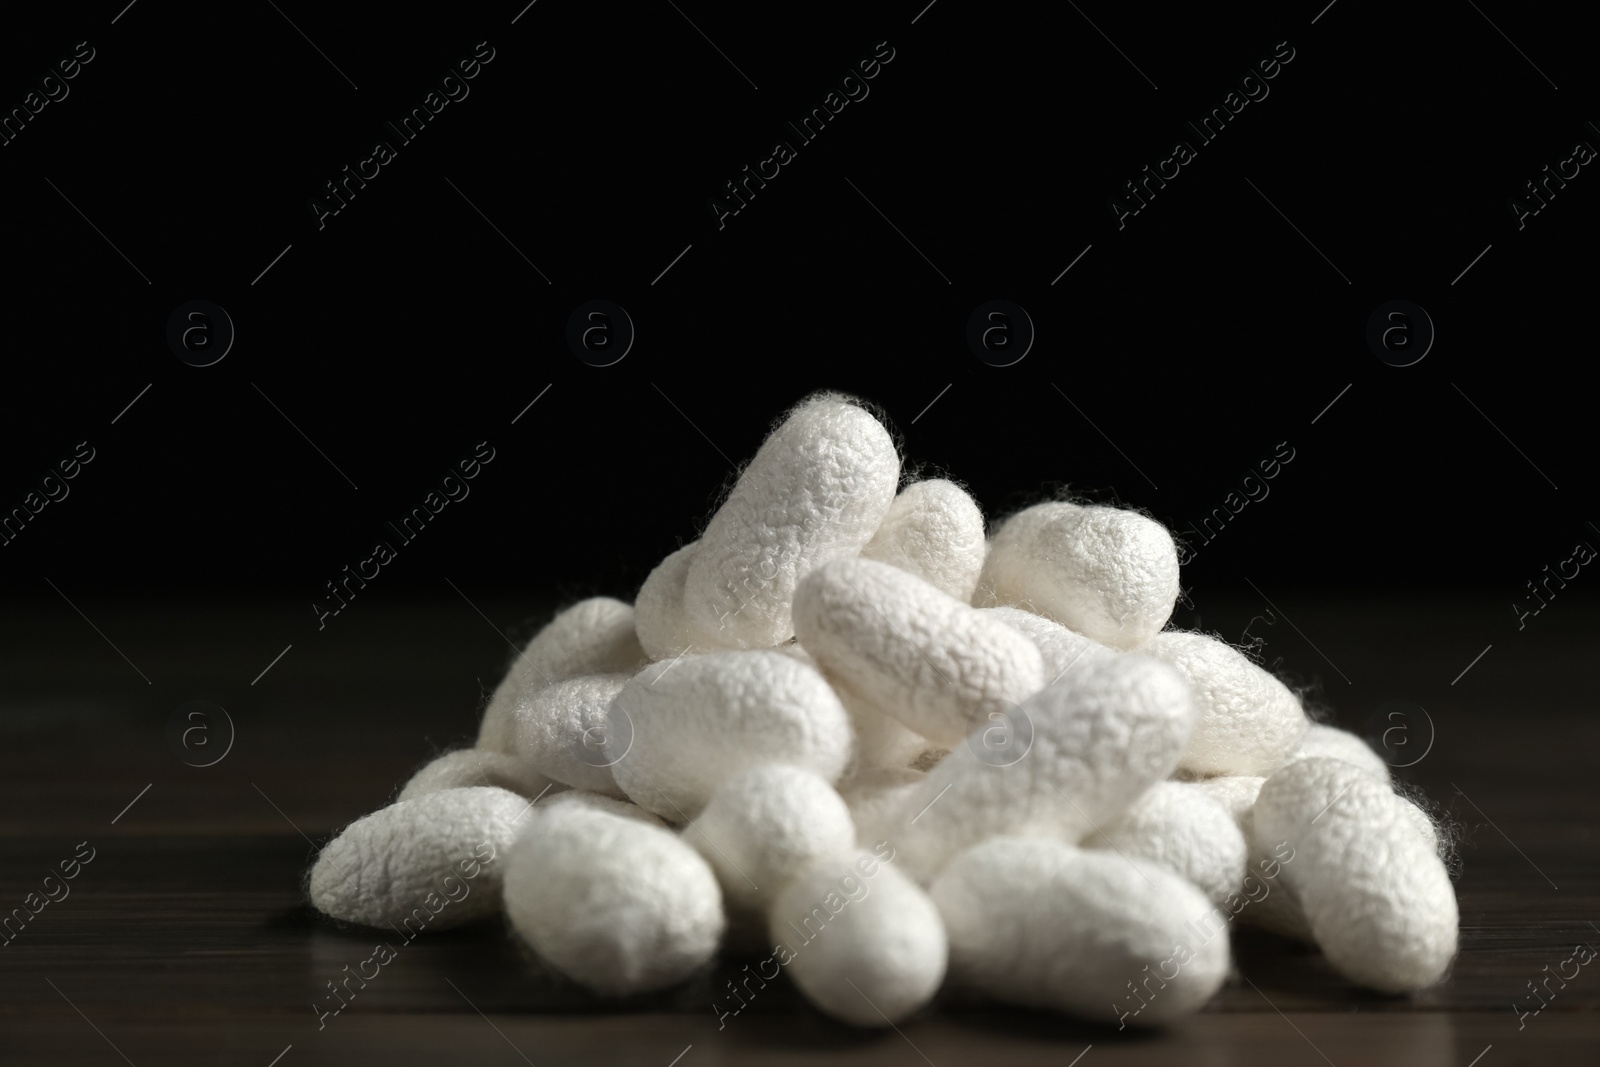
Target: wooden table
pixel 187 938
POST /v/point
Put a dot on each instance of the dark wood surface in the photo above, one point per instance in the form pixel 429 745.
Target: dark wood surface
pixel 188 939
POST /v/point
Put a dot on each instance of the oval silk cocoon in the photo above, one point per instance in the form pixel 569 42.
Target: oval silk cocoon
pixel 1179 826
pixel 1107 573
pixel 938 665
pixel 665 632
pixel 1061 648
pixel 1047 925
pixel 434 860
pixel 1247 722
pixel 474 766
pixel 593 636
pixel 762 828
pixel 1377 897
pixel 935 531
pixel 561 730
pixel 618 905
pixel 1322 740
pixel 863 942
pixel 1096 745
pixel 817 490
pixel 692 724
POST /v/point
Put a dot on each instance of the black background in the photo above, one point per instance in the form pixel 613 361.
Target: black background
pixel 1191 341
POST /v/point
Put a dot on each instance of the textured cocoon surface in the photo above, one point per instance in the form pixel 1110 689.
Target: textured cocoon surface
pixel 1247 722
pixel 617 904
pixel 935 531
pixel 693 724
pixel 561 730
pixel 1378 899
pixel 1279 911
pixel 938 665
pixel 882 741
pixel 416 854
pixel 1061 648
pixel 1236 793
pixel 664 631
pixel 1047 925
pixel 600 802
pixel 1177 825
pixel 1096 744
pixel 1333 743
pixel 1422 823
pixel 762 828
pixel 1274 907
pixel 877 798
pixel 594 636
pixel 817 490
pixel 869 947
pixel 1107 573
pixel 474 766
